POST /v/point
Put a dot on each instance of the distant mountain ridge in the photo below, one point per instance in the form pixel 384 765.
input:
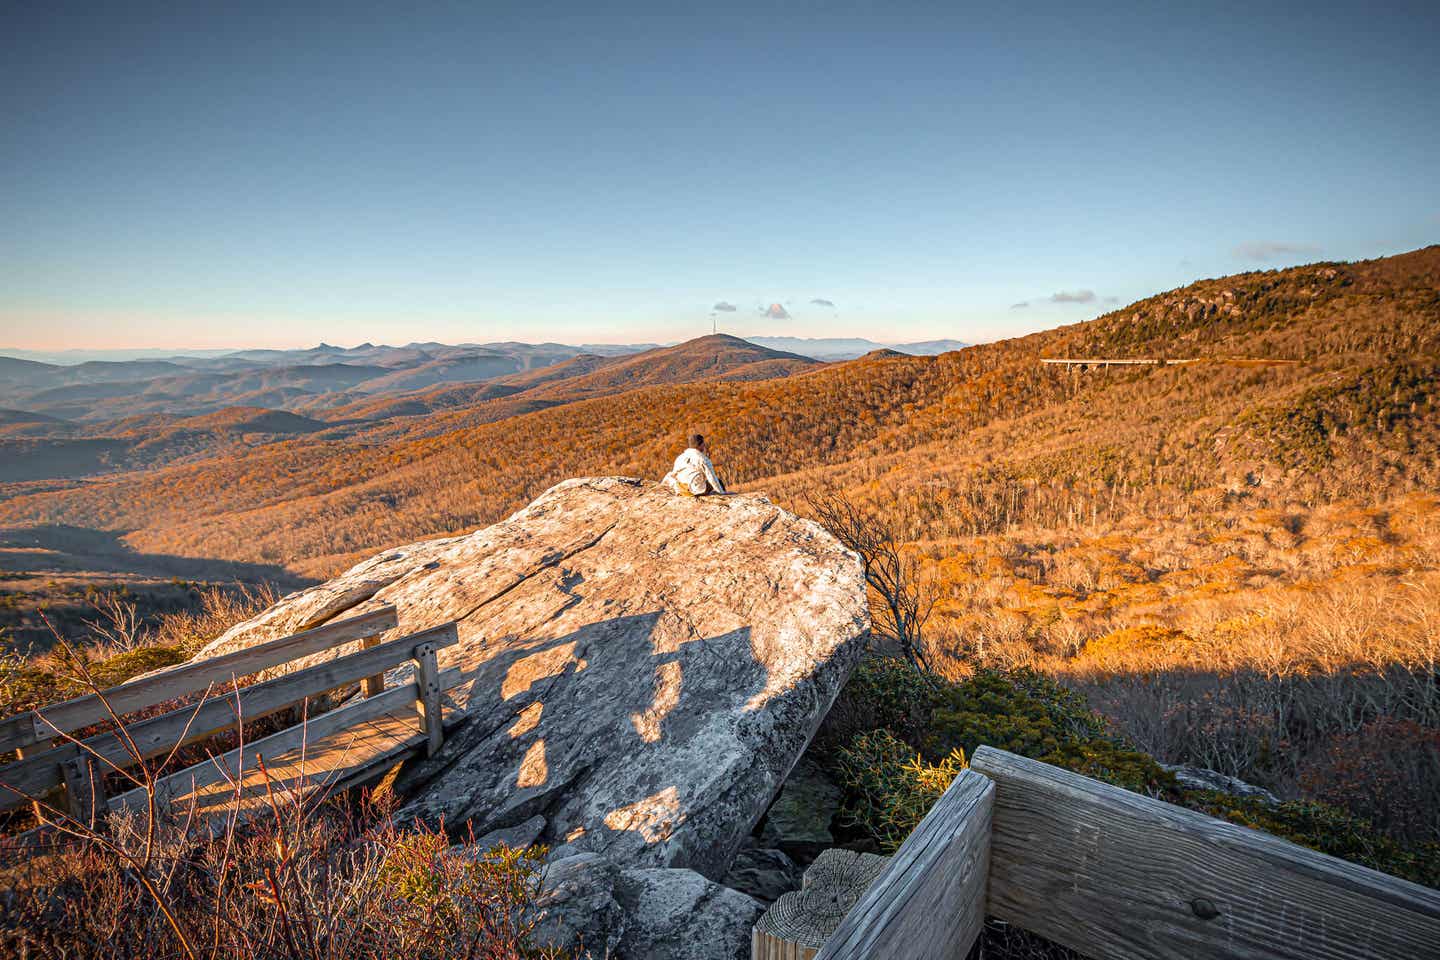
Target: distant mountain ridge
pixel 97 427
pixel 315 380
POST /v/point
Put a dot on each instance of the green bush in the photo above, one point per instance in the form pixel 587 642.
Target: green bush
pixel 125 666
pixel 1326 828
pixel 882 694
pixel 889 787
pixel 909 737
pixel 1020 711
pixel 1112 763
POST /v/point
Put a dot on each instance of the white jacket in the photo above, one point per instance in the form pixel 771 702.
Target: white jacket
pixel 695 471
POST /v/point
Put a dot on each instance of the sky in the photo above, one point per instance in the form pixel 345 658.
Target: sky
pixel 203 175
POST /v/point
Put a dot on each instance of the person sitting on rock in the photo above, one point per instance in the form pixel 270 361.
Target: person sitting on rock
pixel 693 474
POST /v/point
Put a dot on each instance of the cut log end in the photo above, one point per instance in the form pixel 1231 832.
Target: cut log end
pixel 799 923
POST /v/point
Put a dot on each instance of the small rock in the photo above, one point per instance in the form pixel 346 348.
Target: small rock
pixel 675 914
pixel 517 837
pixel 577 907
pixel 1201 778
pixel 589 905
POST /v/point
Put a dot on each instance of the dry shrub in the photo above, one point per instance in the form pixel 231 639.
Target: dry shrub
pixel 304 875
pixel 1235 641
pixel 121 645
pixel 1388 772
pixel 329 881
pixel 220 609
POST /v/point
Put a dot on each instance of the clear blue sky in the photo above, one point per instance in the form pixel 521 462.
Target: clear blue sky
pixel 199 175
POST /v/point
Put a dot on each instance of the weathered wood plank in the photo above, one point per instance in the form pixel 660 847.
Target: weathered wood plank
pixel 929 903
pixel 373 684
pixel 427 676
pixel 324 764
pixel 72 715
pixel 84 789
pixel 1115 874
pixel 154 736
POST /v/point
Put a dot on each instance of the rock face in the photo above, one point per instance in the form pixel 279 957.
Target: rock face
pixel 640 670
pixel 592 907
pixel 762 872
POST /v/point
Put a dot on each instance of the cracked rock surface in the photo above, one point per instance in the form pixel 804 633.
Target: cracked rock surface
pixel 641 670
pixel 590 907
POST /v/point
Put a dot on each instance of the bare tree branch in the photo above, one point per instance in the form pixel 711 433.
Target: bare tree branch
pixel 905 600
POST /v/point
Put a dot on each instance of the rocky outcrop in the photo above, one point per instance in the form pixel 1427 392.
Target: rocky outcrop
pixel 640 670
pixel 764 873
pixel 594 909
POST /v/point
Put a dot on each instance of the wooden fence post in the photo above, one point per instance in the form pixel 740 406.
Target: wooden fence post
pixel 929 901
pixel 427 702
pixel 374 685
pixel 85 790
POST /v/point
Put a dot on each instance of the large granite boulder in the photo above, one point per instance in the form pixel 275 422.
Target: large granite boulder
pixel 641 670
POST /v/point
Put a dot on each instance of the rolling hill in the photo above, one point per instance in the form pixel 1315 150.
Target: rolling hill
pixel 303 381
pixel 148 437
pixel 962 443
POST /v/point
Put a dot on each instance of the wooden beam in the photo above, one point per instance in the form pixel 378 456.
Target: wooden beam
pixel 1115 874
pixel 427 678
pixel 35 775
pixel 72 715
pixel 231 765
pixel 84 790
pixel 929 902
pixel 375 684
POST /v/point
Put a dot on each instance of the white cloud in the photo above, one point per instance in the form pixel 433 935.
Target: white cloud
pixel 1273 250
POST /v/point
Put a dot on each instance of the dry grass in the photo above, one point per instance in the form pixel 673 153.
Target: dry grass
pixel 122 645
pixel 308 877
pixel 1264 644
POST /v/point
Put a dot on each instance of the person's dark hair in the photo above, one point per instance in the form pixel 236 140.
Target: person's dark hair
pixel 697 441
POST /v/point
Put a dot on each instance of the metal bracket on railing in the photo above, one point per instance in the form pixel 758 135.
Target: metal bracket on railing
pixel 41 727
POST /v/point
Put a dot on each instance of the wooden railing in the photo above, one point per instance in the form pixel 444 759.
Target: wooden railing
pixel 1112 873
pixel 51 757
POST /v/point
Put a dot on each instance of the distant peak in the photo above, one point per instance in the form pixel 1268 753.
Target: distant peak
pixel 719 338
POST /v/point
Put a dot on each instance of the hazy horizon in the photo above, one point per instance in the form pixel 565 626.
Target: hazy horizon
pixel 83 354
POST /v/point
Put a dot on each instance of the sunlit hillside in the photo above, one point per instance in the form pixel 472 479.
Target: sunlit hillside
pixel 966 443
